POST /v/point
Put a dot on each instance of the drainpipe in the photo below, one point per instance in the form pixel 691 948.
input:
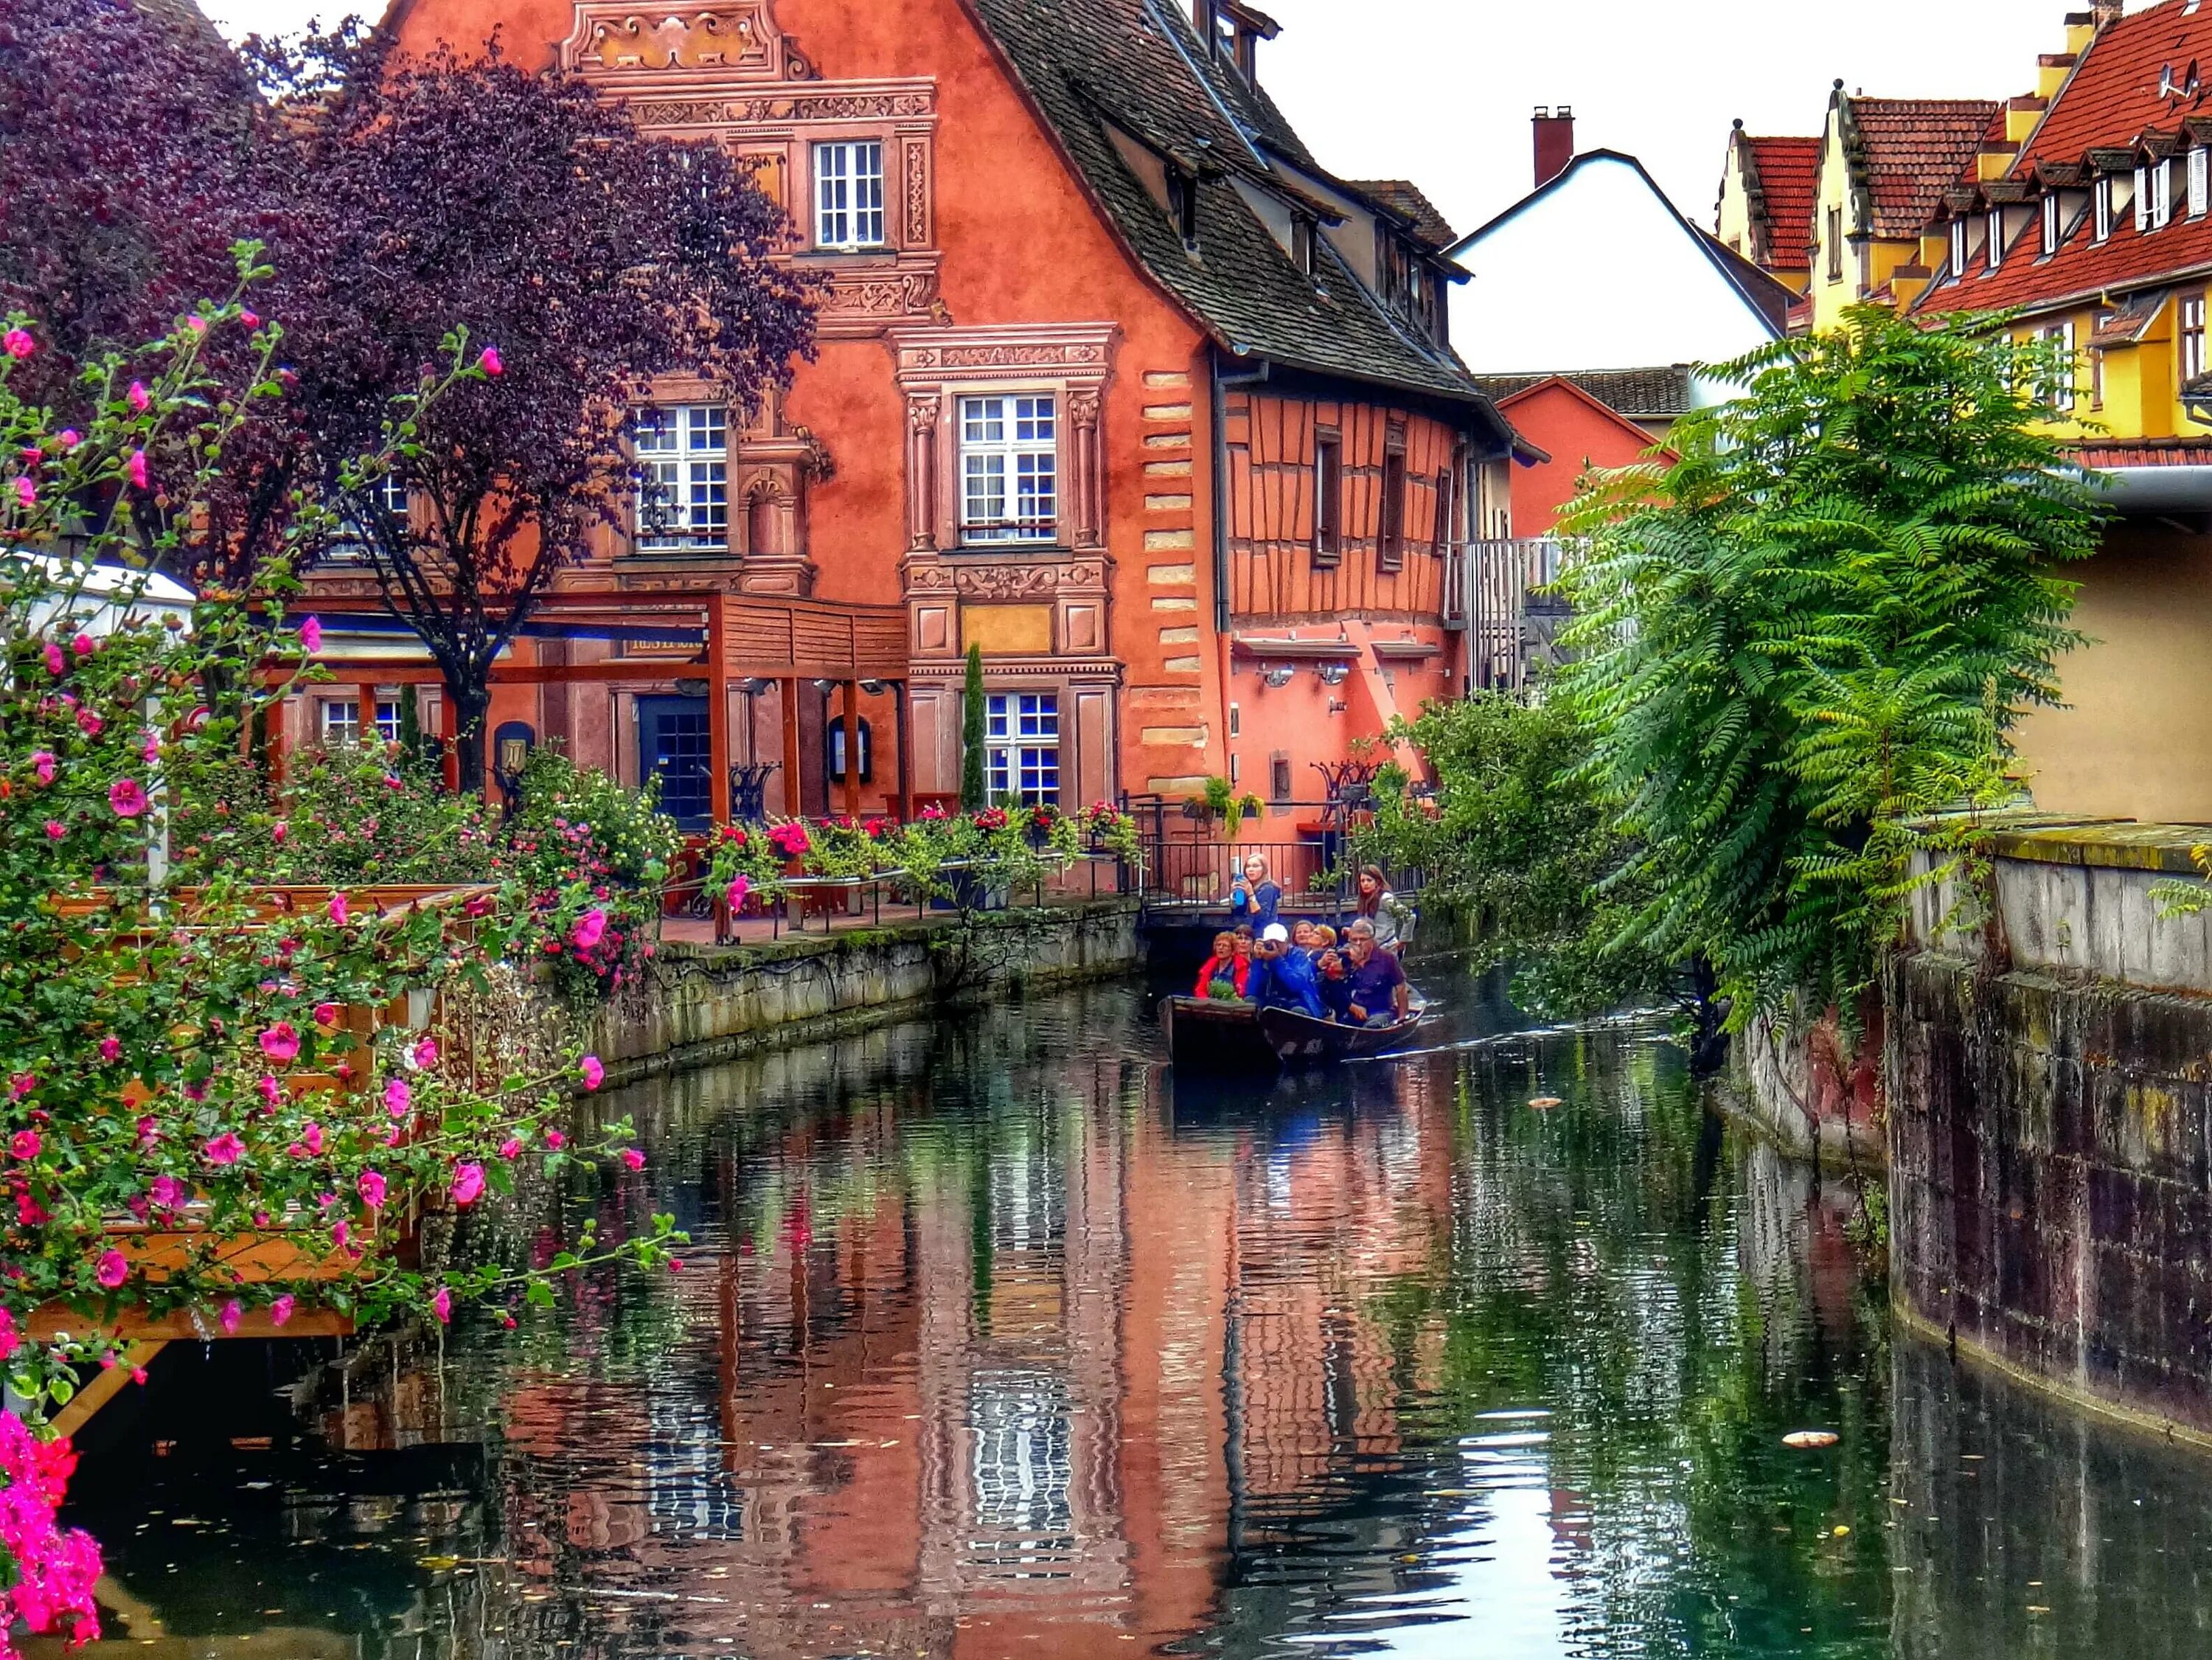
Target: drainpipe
pixel 1220 385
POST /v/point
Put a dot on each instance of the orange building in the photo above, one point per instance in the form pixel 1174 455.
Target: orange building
pixel 1116 381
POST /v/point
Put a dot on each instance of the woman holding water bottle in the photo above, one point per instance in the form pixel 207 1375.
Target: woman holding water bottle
pixel 1253 898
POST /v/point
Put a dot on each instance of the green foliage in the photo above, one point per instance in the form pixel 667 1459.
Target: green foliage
pixel 1518 840
pixel 975 790
pixel 1816 631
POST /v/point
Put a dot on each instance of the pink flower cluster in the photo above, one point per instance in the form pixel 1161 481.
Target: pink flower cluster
pixel 54 1571
pixel 791 840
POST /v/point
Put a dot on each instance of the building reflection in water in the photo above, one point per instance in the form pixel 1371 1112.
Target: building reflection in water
pixel 999 1339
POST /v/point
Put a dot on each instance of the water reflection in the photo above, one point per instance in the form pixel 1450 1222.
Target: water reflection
pixel 998 1340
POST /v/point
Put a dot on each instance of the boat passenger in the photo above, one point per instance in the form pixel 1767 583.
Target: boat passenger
pixel 1225 974
pixel 1302 937
pixel 1379 993
pixel 1293 983
pixel 1334 979
pixel 1253 898
pixel 1393 919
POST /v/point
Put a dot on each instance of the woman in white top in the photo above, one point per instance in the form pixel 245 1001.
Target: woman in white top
pixel 1392 917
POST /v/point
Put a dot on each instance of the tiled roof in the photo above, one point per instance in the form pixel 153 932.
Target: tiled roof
pixel 1403 197
pixel 2114 93
pixel 1910 150
pixel 1643 394
pixel 1140 64
pixel 1788 172
pixel 2112 453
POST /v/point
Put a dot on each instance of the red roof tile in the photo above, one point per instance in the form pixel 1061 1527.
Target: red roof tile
pixel 1913 149
pixel 2115 92
pixel 2113 453
pixel 1789 171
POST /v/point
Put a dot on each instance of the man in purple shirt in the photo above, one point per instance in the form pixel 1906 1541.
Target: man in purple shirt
pixel 1379 993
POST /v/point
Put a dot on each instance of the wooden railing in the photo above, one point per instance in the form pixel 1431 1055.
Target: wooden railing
pixel 1514 615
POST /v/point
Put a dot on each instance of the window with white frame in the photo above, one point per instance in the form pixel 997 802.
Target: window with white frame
pixel 2161 196
pixel 2192 337
pixel 2053 223
pixel 2200 182
pixel 682 457
pixel 1958 247
pixel 848 195
pixel 338 721
pixel 1996 238
pixel 1009 468
pixel 1022 745
pixel 2104 207
pixel 2061 338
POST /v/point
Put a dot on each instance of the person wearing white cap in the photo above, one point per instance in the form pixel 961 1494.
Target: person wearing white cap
pixel 1293 982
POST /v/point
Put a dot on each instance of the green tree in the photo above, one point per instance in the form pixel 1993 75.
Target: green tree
pixel 1815 632
pixel 1518 842
pixel 975 791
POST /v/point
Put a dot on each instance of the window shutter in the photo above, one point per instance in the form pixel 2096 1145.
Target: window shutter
pixel 2200 182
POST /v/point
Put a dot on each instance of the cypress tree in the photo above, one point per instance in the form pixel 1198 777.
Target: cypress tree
pixel 975 792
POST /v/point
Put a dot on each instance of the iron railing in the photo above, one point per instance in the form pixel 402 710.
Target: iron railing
pixel 1190 863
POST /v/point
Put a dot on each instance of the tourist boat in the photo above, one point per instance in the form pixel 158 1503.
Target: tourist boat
pixel 1238 1037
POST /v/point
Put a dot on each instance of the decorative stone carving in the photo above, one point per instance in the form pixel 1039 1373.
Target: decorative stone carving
pixel 724 40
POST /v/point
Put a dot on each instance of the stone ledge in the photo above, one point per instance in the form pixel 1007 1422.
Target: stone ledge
pixel 2110 845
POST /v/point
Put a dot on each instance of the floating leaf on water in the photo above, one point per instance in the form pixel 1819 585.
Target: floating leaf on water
pixel 438 1564
pixel 1810 1440
pixel 1546 1103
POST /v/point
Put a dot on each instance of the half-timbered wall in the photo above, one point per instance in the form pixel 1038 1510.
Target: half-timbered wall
pixel 1276 572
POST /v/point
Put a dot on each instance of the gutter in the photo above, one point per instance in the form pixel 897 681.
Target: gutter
pixel 2156 490
pixel 1218 385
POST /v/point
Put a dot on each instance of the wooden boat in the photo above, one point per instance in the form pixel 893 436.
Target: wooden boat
pixel 1215 1036
pixel 1298 1040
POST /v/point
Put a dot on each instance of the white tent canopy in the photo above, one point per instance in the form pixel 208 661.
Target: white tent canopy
pixel 99 599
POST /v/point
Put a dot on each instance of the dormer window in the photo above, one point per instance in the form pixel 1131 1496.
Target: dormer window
pixel 1996 238
pixel 2054 223
pixel 2160 206
pixel 1302 244
pixel 1182 205
pixel 1958 247
pixel 2200 182
pixel 2104 207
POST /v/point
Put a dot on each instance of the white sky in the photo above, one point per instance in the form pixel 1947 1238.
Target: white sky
pixel 1440 91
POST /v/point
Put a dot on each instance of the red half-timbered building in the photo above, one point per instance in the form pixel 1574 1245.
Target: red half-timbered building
pixel 1116 381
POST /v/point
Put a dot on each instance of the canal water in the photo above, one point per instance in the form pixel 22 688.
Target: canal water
pixel 999 1339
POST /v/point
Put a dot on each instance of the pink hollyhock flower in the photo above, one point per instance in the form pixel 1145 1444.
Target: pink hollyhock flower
pixel 167 1192
pixel 149 751
pixel 280 1312
pixel 55 830
pixel 311 635
pixel 232 1314
pixel 468 1184
pixel 90 724
pixel 112 1270
pixel 594 1073
pixel 490 362
pixel 739 888
pixel 42 763
pixel 397 1097
pixel 634 1159
pixel 110 1048
pixel 591 927
pixel 341 1235
pixel 56 663
pixel 195 323
pixel 126 797
pixel 510 1148
pixel 25 1143
pixel 84 645
pixel 68 438
pixel 443 1305
pixel 371 1190
pixel 141 400
pixel 271 1091
pixel 281 1042
pixel 555 1140
pixel 280 832
pixel 311 1139
pixel 19 343
pixel 137 468
pixel 9 1342
pixel 326 1014
pixel 338 908
pixel 251 317
pixel 26 492
pixel 425 1052
pixel 225 1149
pixel 20 1084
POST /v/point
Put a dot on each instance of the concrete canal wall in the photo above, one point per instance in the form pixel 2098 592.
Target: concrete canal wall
pixel 699 1004
pixel 2048 1073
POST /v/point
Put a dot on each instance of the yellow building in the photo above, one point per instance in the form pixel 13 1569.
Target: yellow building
pixel 1765 208
pixel 2092 219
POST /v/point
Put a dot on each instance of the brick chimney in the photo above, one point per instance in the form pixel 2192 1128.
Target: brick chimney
pixel 1555 142
pixel 2108 13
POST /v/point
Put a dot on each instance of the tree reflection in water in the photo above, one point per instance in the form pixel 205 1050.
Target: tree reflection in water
pixel 999 1339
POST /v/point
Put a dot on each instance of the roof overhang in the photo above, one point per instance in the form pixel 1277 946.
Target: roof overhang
pixel 1258 649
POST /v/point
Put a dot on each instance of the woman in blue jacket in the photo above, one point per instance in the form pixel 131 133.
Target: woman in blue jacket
pixel 1254 899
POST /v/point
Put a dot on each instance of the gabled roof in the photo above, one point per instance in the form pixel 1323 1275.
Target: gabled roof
pixel 1569 386
pixel 1640 394
pixel 1140 64
pixel 1404 198
pixel 1904 153
pixel 1781 177
pixel 2131 82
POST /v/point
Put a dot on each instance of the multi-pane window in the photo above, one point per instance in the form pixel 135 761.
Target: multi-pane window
pixel 848 195
pixel 1009 468
pixel 2200 182
pixel 2159 210
pixel 1996 238
pixel 683 476
pixel 2061 338
pixel 1958 247
pixel 1390 550
pixel 340 721
pixel 2054 223
pixel 1022 743
pixel 2104 207
pixel 1835 242
pixel 2192 337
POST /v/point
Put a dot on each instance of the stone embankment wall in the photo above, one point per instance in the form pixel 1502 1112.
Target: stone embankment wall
pixel 2049 1085
pixel 1816 1093
pixel 701 1004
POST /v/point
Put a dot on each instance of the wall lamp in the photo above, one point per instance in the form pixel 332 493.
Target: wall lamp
pixel 1279 676
pixel 825 687
pixel 874 688
pixel 753 687
pixel 1332 674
